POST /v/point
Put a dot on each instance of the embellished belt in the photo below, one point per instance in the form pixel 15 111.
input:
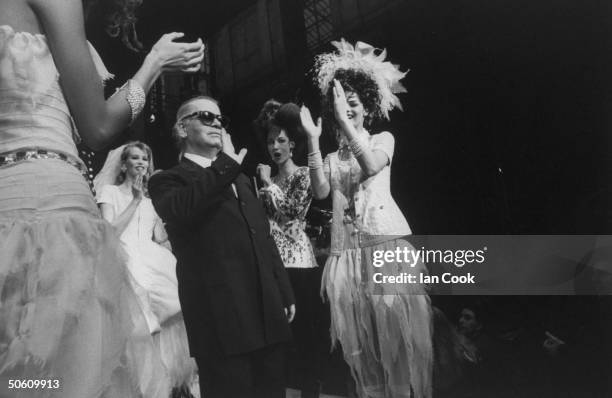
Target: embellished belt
pixel 19 156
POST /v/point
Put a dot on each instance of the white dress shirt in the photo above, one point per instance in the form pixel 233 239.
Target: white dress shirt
pixel 205 162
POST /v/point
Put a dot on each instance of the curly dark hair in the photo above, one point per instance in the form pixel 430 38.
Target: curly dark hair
pixel 275 116
pixel 265 121
pixel 360 83
pixel 288 118
pixel 120 19
pixel 266 114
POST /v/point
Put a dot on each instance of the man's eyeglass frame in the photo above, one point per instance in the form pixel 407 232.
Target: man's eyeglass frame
pixel 208 118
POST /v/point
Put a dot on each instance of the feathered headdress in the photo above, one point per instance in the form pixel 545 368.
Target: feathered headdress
pixel 363 57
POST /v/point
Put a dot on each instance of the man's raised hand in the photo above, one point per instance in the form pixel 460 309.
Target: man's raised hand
pixel 228 148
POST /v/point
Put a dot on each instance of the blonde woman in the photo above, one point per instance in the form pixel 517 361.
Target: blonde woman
pixel 124 202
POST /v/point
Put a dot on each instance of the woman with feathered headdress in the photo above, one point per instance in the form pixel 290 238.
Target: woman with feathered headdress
pixel 385 329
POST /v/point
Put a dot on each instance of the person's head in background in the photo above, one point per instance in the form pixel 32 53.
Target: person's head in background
pixel 362 97
pixel 472 319
pixel 199 127
pixel 262 123
pixel 278 127
pixel 136 159
pixel 280 145
pixel 287 119
pixel 119 19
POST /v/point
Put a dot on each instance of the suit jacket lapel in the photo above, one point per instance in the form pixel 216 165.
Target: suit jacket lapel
pixel 189 166
pixel 192 169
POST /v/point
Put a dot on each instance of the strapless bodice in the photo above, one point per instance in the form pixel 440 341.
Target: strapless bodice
pixel 33 111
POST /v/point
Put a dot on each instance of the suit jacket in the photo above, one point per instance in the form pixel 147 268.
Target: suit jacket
pixel 233 287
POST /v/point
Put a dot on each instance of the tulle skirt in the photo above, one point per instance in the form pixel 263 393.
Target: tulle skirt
pixel 385 330
pixel 153 271
pixel 67 310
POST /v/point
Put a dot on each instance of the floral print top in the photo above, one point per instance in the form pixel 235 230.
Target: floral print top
pixel 287 202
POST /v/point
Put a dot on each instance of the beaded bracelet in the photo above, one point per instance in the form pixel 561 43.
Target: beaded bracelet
pixel 357 147
pixel 135 97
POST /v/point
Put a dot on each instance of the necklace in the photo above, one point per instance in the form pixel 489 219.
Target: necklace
pixel 350 175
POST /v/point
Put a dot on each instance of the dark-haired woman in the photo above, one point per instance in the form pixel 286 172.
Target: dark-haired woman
pixel 67 310
pixel 287 197
pixel 385 329
pixel 256 142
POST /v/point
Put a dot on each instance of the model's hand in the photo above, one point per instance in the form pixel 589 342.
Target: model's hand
pixel 290 312
pixel 178 57
pixel 138 188
pixel 341 108
pixel 268 198
pixel 228 147
pixel 263 170
pixel 312 130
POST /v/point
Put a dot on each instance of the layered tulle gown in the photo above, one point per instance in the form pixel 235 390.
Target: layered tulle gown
pixel 153 270
pixel 68 313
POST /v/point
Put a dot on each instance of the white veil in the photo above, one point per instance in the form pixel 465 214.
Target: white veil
pixel 110 170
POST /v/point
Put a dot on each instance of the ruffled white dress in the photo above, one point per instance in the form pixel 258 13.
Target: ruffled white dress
pixel 153 270
pixel 67 310
pixel 385 330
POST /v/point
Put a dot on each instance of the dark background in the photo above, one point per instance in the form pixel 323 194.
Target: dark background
pixel 505 125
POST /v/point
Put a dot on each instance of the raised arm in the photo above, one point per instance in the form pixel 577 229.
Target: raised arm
pixel 184 203
pixel 318 180
pixel 99 120
pixel 122 220
pixel 371 161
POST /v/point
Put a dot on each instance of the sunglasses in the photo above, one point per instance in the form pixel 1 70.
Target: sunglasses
pixel 208 118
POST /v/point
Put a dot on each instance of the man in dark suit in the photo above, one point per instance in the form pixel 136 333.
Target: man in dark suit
pixel 233 288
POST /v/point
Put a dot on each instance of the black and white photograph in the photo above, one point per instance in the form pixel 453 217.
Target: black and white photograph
pixel 305 199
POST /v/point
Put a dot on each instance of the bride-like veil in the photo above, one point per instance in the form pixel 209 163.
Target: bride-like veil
pixel 110 170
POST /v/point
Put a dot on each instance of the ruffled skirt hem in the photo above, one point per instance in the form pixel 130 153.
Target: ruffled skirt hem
pixel 386 334
pixel 67 311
